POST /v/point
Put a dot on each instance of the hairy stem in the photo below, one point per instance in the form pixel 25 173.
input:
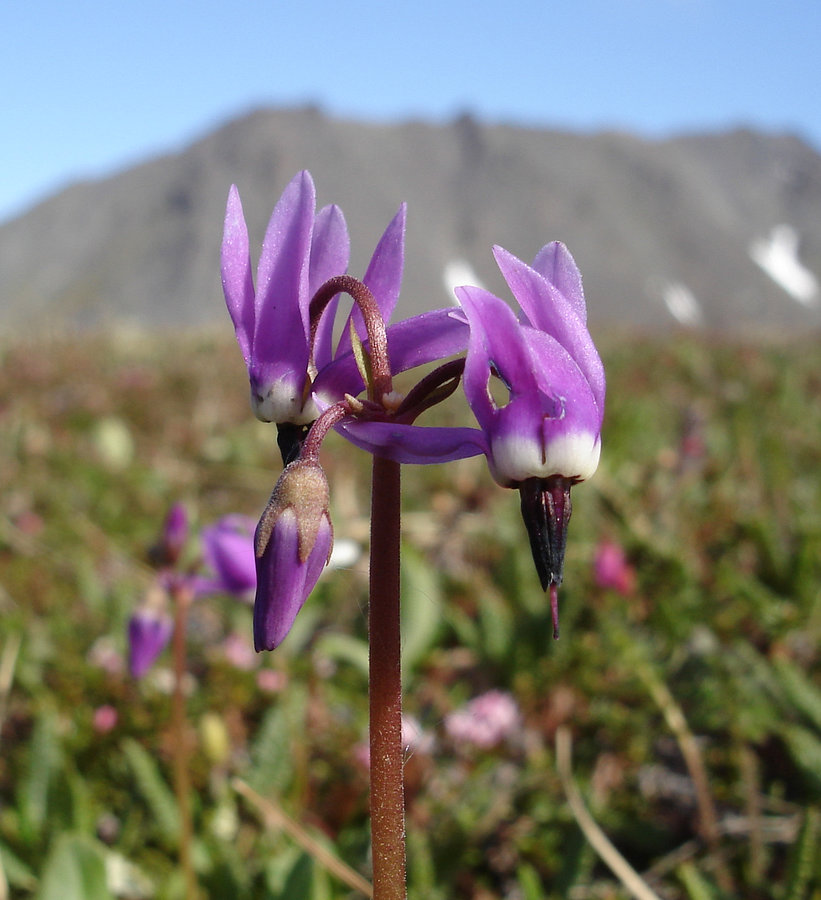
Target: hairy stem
pixel 387 788
pixel 374 325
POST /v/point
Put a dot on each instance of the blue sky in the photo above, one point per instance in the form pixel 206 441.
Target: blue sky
pixel 90 87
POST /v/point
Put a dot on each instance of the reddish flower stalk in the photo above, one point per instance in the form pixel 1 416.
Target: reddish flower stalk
pixel 385 698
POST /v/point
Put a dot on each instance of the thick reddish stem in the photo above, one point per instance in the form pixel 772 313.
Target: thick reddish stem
pixel 387 787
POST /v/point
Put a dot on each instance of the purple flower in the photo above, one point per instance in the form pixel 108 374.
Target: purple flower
pixel 149 632
pixel 228 550
pixel 293 543
pixel 551 422
pixel 485 721
pixel 301 250
pixel 171 542
pixel 175 531
pixel 545 437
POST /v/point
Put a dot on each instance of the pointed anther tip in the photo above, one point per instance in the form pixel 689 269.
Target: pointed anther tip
pixel 554 609
pixel 546 509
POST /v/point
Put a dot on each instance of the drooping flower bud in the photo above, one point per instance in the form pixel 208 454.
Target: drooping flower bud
pixel 293 543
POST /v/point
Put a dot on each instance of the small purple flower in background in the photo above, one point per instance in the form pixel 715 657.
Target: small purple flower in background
pixel 228 554
pixel 293 543
pixel 149 632
pixel 228 551
pixel 611 569
pixel 485 721
pixel 173 536
pixel 546 437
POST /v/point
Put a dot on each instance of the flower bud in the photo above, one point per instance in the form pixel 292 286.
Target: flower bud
pixel 292 544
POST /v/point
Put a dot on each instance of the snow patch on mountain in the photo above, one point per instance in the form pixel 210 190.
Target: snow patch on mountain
pixel 777 255
pixel 459 272
pixel 682 304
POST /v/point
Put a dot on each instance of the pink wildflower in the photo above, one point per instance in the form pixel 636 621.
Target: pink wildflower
pixel 104 719
pixel 611 569
pixel 485 721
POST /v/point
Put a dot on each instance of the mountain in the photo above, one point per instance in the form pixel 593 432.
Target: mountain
pixel 715 231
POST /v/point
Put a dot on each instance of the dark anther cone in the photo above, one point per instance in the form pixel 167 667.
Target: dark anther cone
pixel 546 511
pixel 290 438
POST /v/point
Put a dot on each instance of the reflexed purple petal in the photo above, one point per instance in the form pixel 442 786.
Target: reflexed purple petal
pixel 425 338
pixel 237 281
pixel 383 277
pixel 555 263
pixel 384 272
pixel 282 277
pixel 558 375
pixel 551 421
pixel 330 252
pixel 415 444
pixel 330 248
pixel 550 311
pixel 496 343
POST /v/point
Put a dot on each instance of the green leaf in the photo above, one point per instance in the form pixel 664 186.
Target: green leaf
pixel 421 608
pixel 529 883
pixel 803 857
pixel 154 789
pixel 805 749
pixel 17 873
pixel 802 693
pixel 695 885
pixel 344 648
pixel 496 620
pixel 75 870
pixel 421 867
pixel 45 757
pixel 272 752
pixel 299 883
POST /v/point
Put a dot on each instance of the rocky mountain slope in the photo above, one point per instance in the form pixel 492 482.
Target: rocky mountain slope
pixel 715 231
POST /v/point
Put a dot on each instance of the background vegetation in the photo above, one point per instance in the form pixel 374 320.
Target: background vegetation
pixel 692 699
